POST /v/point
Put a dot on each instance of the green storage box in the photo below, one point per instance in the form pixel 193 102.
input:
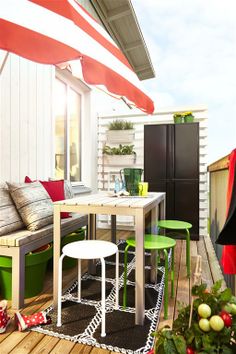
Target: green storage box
pixel 35 268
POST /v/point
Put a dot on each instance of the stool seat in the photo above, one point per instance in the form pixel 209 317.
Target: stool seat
pixel 179 225
pixel 174 224
pixel 89 249
pixel 157 243
pixel 154 242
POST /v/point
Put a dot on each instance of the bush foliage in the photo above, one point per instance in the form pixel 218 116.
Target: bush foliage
pixel 182 338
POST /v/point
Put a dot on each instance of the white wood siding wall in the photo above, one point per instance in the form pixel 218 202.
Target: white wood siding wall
pixel 26 124
pixel 106 173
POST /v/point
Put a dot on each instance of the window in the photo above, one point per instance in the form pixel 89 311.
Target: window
pixel 67 108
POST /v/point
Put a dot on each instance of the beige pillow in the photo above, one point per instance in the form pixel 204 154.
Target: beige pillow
pixel 10 220
pixel 33 204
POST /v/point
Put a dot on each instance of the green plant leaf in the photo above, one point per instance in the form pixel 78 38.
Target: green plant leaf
pixel 206 342
pixel 120 124
pixel 216 287
pixel 169 347
pixel 198 342
pixel 227 350
pixel 121 150
pixel 225 295
pixel 180 343
pixel 198 289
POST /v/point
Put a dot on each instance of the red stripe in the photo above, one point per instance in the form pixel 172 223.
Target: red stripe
pixel 34 46
pixel 95 73
pixel 65 9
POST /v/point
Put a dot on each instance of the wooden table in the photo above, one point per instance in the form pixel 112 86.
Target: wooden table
pixel 103 204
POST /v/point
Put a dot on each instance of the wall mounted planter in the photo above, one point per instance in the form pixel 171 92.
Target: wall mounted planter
pixel 120 136
pixel 119 160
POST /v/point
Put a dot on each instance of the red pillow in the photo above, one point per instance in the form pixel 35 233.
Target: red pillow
pixel 28 180
pixel 56 191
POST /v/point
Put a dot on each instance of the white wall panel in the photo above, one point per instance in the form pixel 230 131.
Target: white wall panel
pixel 25 120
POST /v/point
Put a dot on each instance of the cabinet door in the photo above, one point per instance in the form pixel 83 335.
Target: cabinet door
pixel 186 151
pixel 155 147
pixel 186 204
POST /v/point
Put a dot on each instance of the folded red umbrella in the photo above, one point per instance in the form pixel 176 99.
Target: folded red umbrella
pixel 227 235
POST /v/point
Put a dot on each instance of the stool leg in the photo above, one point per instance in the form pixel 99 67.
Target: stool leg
pixel 103 331
pixel 125 276
pixel 166 285
pixel 79 280
pixel 172 271
pixel 117 280
pixel 188 252
pixel 59 290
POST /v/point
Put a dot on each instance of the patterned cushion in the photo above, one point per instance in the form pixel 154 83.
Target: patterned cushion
pixel 10 220
pixel 33 204
pixel 68 190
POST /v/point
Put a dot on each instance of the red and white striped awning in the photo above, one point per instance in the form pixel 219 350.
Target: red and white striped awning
pixel 61 32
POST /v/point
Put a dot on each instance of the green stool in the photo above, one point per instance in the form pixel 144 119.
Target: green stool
pixel 179 225
pixel 158 243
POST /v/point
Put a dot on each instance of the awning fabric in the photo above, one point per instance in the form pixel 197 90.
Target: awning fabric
pixel 227 235
pixel 61 32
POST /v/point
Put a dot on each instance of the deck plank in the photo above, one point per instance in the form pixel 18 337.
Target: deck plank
pixel 183 289
pixel 62 347
pixel 45 345
pixel 81 349
pixel 206 271
pixel 213 262
pixel 28 343
pixel 172 301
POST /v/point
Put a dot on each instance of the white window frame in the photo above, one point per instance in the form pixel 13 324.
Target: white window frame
pixel 82 89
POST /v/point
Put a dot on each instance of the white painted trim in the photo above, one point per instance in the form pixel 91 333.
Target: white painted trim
pixel 84 91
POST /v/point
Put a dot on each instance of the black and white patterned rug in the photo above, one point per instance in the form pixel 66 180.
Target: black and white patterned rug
pixel 81 322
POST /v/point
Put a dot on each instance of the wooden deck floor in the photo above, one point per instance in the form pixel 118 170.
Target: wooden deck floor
pixel 15 342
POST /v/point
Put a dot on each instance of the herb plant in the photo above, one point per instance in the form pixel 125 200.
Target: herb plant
pixel 119 124
pixel 182 115
pixel 121 150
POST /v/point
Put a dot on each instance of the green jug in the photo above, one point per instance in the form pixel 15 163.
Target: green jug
pixel 130 178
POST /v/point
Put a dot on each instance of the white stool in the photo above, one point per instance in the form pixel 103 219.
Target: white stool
pixel 91 249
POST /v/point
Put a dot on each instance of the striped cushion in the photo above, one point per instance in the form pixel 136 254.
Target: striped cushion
pixel 33 204
pixel 10 220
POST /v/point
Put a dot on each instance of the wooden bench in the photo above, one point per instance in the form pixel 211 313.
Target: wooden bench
pixel 17 244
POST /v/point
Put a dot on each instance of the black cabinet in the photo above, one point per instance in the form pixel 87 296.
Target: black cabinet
pixel 171 165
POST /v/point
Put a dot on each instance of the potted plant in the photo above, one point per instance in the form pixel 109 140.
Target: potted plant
pixel 35 269
pixel 120 131
pixel 123 155
pixel 186 117
pixel 178 118
pixel 208 326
